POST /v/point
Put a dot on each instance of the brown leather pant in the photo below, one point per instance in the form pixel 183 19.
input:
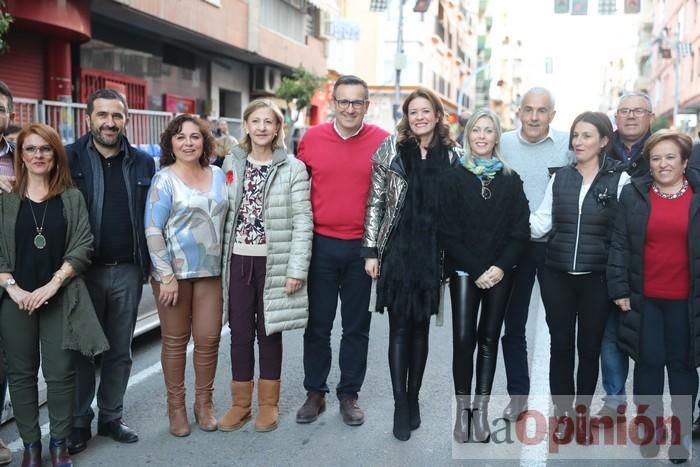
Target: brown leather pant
pixel 197 314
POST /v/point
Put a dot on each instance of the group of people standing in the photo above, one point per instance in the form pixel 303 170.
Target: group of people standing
pixel 271 242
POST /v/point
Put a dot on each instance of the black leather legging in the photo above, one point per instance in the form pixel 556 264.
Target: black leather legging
pixel 408 352
pixel 467 331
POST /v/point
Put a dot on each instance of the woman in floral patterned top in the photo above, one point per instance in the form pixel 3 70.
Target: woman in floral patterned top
pixel 267 249
pixel 185 216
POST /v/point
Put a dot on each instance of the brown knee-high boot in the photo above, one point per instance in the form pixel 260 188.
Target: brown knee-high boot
pixel 268 410
pixel 205 358
pixel 173 357
pixel 239 413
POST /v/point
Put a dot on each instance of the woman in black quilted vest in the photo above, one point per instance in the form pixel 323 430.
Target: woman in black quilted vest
pixel 578 213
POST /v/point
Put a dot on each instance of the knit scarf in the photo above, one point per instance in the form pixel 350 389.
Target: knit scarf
pixel 483 168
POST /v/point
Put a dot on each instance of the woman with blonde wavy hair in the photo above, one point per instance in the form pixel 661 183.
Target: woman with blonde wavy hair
pixel 480 258
pixel 400 243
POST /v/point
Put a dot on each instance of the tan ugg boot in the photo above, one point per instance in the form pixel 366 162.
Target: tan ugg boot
pixel 268 411
pixel 239 413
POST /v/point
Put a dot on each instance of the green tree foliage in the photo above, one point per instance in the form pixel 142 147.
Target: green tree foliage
pixel 5 21
pixel 298 90
pixel 660 123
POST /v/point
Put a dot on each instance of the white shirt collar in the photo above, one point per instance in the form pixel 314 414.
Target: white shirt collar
pixel 335 127
pixel 550 135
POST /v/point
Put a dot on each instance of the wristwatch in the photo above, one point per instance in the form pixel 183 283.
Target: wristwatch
pixel 9 282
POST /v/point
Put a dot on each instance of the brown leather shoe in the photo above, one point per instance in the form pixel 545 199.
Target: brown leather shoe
pixel 351 412
pixel 314 406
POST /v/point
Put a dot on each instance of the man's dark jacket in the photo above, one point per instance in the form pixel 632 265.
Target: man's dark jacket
pixel 626 263
pixel 139 169
pixel 637 165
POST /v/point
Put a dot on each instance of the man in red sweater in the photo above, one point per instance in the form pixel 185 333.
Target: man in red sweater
pixel 338 158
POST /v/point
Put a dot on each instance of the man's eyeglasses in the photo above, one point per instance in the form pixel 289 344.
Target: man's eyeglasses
pixel 32 150
pixel 637 112
pixel 344 103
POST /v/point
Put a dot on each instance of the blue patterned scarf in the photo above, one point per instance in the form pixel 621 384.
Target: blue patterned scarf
pixel 483 168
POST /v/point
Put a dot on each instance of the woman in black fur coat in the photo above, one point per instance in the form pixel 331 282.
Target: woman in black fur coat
pixel 483 227
pixel 400 242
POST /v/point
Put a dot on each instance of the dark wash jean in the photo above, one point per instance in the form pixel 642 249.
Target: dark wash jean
pixel 664 344
pixel 514 343
pixel 337 270
pixel 115 292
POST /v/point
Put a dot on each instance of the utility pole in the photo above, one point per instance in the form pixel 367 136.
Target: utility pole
pixel 400 63
pixel 676 79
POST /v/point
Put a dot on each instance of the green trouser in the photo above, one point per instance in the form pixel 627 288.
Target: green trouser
pixel 22 338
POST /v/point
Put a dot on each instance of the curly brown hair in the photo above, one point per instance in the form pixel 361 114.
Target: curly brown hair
pixel 441 134
pixel 167 157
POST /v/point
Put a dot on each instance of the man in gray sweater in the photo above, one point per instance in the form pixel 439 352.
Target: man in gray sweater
pixel 534 150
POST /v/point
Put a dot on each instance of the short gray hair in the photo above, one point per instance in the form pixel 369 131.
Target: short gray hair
pixel 540 90
pixel 636 94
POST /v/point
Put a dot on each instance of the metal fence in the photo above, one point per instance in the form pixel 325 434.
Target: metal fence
pixel 68 119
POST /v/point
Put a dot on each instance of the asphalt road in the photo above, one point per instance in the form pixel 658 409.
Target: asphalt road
pixel 327 442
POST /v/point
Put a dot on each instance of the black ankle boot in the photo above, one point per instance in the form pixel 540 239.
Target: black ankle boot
pixel 461 430
pixel 402 428
pixel 413 411
pixel 32 454
pixel 480 420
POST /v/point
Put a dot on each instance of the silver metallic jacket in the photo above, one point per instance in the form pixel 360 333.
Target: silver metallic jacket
pixel 386 196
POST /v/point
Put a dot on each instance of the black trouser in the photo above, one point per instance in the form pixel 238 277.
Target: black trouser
pixel 513 341
pixel 408 352
pixel 337 268
pixel 664 342
pixel 467 331
pixel 571 300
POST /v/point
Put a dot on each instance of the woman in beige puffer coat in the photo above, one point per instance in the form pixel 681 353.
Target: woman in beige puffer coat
pixel 267 250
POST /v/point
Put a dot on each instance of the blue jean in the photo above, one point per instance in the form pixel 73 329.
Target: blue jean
pixel 513 341
pixel 116 292
pixel 614 363
pixel 337 270
pixel 665 343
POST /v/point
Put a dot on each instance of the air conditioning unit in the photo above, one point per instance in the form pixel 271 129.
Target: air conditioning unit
pixel 327 26
pixel 266 79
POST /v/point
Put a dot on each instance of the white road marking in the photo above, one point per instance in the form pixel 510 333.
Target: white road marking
pixel 17 445
pixel 536 455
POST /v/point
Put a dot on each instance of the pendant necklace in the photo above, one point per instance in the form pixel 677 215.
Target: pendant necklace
pixel 485 191
pixel 39 239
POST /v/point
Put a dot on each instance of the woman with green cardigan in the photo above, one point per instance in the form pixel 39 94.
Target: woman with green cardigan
pixel 45 309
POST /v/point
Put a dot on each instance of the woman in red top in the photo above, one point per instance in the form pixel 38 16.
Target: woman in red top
pixel 653 279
